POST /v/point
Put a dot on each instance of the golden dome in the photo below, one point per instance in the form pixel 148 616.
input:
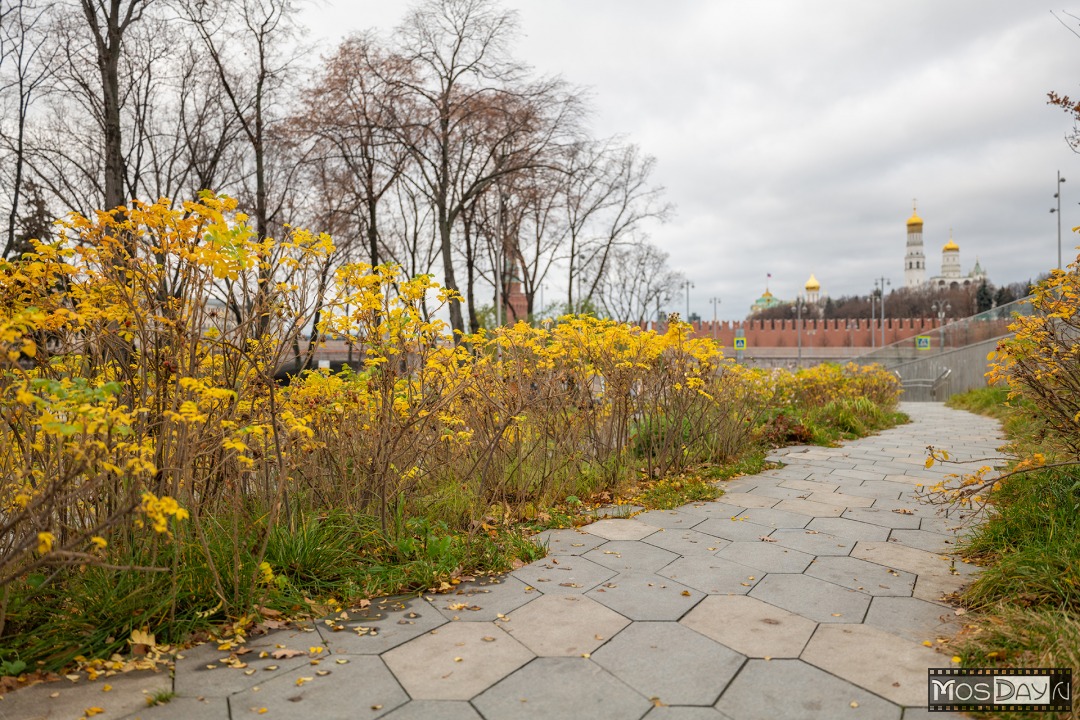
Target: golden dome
pixel 914 220
pixel 812 283
pixel 951 246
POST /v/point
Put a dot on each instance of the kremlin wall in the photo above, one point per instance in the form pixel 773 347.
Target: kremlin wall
pixel 816 333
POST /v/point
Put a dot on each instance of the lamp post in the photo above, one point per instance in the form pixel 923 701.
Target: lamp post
pixel 873 331
pixel 1057 210
pixel 688 285
pixel 797 309
pixel 880 284
pixel 715 303
pixel 941 308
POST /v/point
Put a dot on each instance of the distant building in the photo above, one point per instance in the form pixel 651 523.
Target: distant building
pixel 952 275
pixel 766 301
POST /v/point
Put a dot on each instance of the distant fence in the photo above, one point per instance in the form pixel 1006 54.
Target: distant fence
pixel 952 358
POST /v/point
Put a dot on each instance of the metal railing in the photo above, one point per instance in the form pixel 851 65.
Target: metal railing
pixel 952 358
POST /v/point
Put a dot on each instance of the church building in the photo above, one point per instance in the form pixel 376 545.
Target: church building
pixel 951 273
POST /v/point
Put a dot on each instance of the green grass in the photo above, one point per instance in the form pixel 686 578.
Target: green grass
pixel 673 492
pixel 989 401
pixel 1031 544
pixel 1026 601
pixel 92 611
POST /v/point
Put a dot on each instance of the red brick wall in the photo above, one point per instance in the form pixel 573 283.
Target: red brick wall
pixel 815 332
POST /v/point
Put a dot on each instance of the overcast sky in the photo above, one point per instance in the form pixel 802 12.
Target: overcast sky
pixel 793 135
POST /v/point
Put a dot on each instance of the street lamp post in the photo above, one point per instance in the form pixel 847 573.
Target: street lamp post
pixel 1057 210
pixel 941 308
pixel 797 309
pixel 715 303
pixel 873 330
pixel 688 285
pixel 880 283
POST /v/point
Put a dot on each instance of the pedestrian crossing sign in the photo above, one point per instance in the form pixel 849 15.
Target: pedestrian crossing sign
pixel 922 342
pixel 740 343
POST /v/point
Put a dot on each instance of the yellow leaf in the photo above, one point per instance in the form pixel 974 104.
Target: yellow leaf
pixel 45 542
pixel 141 637
pixel 930 461
pixel 92 711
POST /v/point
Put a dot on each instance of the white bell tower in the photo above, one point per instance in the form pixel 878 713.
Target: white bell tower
pixel 915 259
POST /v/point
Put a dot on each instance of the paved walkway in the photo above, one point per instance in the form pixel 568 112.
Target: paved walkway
pixel 807 592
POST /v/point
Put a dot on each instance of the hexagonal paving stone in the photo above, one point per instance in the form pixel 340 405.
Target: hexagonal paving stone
pixel 733 530
pixel 873 659
pixel 179 708
pixel 563 625
pixel 812 598
pixel 793 690
pixel 884 518
pixel 561 575
pixel 775 518
pixel 643 596
pixel 386 623
pixel 766 556
pixel 622 555
pixel 850 472
pixel 848 529
pixel 669 662
pixel 669 519
pixel 945 526
pixel 435 710
pixel 837 498
pixel 913 560
pixel 937 588
pixel 620 529
pixel 567 541
pixel 924 540
pixel 750 626
pixel 483 599
pixel 750 500
pixel 561 688
pixel 813 542
pixel 809 485
pixel 713 575
pixel 361 688
pixel 684 712
pixel 811 508
pixel 870 578
pixel 921 713
pixel 779 492
pixel 875 489
pixel 712 510
pixel 687 542
pixel 201 672
pixel 129 694
pixel 457 661
pixel 912 618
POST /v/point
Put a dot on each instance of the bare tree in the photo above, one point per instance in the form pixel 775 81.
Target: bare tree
pixel 346 120
pixel 27 62
pixel 638 279
pixel 108 21
pixel 606 197
pixel 474 117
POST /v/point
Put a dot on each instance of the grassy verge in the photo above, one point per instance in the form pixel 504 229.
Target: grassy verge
pixel 318 560
pixel 1026 602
